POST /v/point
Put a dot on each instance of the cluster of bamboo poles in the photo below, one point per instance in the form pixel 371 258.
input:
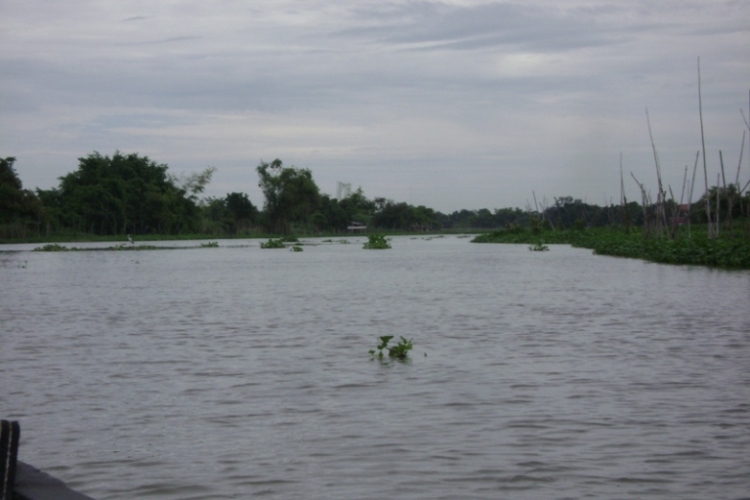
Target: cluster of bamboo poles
pixel 661 221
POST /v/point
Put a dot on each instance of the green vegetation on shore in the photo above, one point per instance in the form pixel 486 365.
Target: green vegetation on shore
pixel 729 251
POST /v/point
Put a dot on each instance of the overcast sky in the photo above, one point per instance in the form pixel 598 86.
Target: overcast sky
pixel 450 104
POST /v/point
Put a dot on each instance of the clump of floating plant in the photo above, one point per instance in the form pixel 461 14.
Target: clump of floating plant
pixel 297 248
pixel 377 241
pixel 400 351
pixel 210 244
pixel 539 247
pixel 273 243
pixel 52 247
pixel 128 248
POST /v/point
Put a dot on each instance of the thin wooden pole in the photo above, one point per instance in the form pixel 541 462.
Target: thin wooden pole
pixel 703 142
pixel 726 193
pixel 661 216
pixel 717 203
pixel 692 186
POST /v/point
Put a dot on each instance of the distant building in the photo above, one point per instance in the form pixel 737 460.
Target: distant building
pixel 356 227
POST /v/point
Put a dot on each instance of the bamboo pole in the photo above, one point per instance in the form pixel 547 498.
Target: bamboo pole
pixel 726 193
pixel 624 200
pixel 703 142
pixel 717 204
pixel 684 182
pixel 692 187
pixel 678 209
pixel 644 204
pixel 661 216
pixel 737 178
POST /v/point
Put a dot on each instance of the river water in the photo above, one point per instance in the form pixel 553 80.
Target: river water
pixel 236 372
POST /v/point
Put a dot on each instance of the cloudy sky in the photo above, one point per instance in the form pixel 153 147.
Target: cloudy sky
pixel 451 104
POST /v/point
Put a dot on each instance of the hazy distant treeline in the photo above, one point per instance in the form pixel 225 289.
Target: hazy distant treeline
pixel 130 194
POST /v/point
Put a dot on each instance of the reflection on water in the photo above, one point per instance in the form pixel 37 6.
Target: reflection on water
pixel 238 372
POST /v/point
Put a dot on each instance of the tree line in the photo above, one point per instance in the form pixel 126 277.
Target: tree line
pixel 131 194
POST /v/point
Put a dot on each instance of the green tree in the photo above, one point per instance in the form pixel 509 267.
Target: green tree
pixel 291 196
pixel 331 216
pixel 357 207
pixel 241 212
pixel 395 216
pixel 193 184
pixel 21 212
pixel 124 194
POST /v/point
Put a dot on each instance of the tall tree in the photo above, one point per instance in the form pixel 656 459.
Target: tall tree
pixel 125 194
pixel 291 196
pixel 241 211
pixel 20 209
pixel 11 195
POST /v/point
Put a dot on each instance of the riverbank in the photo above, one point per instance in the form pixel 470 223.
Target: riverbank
pixel 731 252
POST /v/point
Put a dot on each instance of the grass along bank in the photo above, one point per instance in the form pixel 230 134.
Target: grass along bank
pixel 732 252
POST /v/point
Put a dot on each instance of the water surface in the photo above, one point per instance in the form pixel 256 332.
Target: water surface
pixel 237 372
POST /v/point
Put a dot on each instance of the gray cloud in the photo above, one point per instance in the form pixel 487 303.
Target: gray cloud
pixel 461 104
pixel 431 26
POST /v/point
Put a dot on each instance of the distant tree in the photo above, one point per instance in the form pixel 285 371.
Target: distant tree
pixel 337 214
pixel 485 218
pixel 402 216
pixel 505 216
pixel 232 214
pixel 11 193
pixel 291 196
pixel 357 207
pixel 330 215
pixel 193 184
pixel 8 176
pixel 215 216
pixel 242 213
pixel 21 211
pixel 463 219
pixel 124 194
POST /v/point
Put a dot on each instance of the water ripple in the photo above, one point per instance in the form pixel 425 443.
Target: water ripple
pixel 238 373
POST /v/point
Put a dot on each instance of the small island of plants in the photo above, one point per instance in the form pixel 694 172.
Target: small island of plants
pixel 400 351
pixel 377 241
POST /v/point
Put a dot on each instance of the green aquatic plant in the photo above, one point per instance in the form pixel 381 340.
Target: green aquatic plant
pixel 539 247
pixel 129 248
pixel 400 351
pixel 273 243
pixel 297 248
pixel 376 241
pixel 52 247
pixel 732 252
pixel 210 244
